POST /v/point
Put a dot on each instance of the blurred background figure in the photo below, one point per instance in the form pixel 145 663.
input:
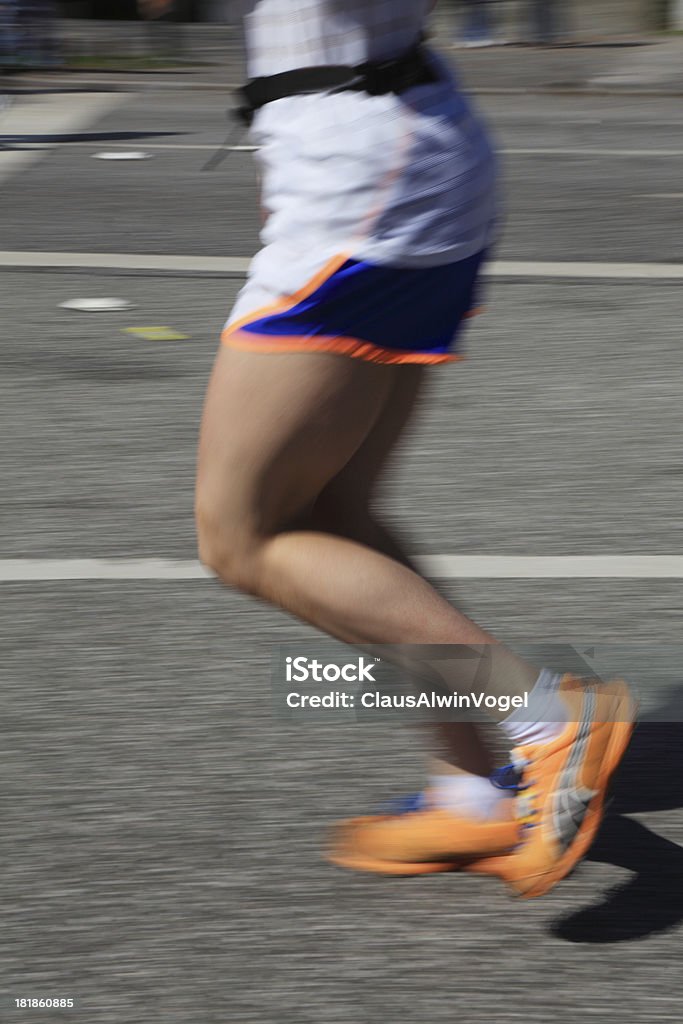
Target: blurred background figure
pixel 544 21
pixel 28 34
pixel 476 28
pixel 9 33
pixel 481 22
pixel 164 33
pixel 153 9
pixel 37 32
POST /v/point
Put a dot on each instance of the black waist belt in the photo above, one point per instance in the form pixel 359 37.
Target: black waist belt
pixel 375 77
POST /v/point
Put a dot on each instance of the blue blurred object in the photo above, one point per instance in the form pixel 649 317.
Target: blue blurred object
pixel 28 34
pixel 544 20
pixel 477 29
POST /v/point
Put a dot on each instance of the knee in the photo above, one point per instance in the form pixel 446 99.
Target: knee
pixel 229 546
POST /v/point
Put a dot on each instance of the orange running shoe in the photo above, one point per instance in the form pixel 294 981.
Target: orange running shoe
pixel 563 787
pixel 417 839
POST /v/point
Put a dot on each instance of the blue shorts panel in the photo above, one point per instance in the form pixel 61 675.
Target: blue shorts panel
pixel 396 309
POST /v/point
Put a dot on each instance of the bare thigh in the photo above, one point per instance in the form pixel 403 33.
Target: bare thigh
pixel 356 482
pixel 276 430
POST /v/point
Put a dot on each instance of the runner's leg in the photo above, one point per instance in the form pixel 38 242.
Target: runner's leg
pixel 346 508
pixel 277 430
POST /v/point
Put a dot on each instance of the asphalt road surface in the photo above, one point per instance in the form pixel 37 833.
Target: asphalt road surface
pixel 160 826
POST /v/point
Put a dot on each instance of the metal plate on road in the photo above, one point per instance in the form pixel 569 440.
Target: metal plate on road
pixel 106 305
pixel 122 155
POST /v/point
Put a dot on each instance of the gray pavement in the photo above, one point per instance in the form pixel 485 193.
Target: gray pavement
pixel 211 59
pixel 160 825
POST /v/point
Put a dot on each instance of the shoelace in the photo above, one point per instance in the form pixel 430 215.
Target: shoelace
pixel 507 778
pixel 511 779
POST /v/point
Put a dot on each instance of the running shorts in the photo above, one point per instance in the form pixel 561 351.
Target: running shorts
pixel 379 313
pixel 379 212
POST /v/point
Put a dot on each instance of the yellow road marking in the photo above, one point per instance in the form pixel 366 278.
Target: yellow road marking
pixel 157 333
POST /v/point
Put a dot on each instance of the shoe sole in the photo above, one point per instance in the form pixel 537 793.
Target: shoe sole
pixel 376 865
pixel 388 867
pixel 489 864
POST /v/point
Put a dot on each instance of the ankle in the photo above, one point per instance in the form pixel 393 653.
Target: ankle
pixel 545 716
pixel 471 796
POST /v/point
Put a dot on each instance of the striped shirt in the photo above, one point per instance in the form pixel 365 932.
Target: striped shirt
pixel 285 34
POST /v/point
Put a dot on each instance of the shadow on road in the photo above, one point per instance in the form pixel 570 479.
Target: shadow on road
pixel 16 141
pixel 650 902
pixel 650 779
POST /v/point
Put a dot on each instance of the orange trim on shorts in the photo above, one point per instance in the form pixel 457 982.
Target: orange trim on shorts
pixel 289 301
pixel 354 347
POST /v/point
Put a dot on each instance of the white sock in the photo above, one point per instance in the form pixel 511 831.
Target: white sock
pixel 545 717
pixel 543 720
pixel 470 796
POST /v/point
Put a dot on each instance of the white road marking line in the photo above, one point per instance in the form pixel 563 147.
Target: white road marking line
pixel 605 271
pixel 594 152
pixel 505 151
pixel 52 115
pixel 527 567
pixel 553 566
pixel 527 117
pixel 204 147
pixel 14 570
pixel 240 265
pixel 125 261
